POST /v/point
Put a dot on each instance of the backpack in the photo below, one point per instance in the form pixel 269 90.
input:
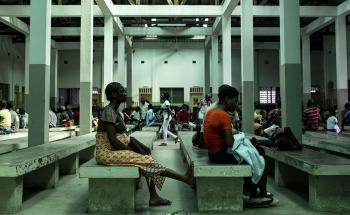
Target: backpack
pixel 286 141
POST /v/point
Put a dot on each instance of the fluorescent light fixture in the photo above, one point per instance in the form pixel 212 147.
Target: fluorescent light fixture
pixel 151 36
pixel 197 19
pixel 205 25
pixel 154 19
pixel 198 37
pixel 206 19
pixel 146 25
pixel 171 25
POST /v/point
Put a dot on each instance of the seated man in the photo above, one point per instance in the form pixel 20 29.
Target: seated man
pixel 5 118
pixel 218 138
pixel 184 116
pixel 311 117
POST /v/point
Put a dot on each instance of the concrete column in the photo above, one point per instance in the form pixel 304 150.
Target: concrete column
pixel 26 73
pixel 206 70
pixel 53 79
pixel 328 69
pixel 247 59
pixel 306 68
pixel 226 50
pixel 129 76
pixel 107 57
pixel 341 62
pixel 290 74
pixel 121 77
pixel 86 48
pixel 39 72
pixel 215 65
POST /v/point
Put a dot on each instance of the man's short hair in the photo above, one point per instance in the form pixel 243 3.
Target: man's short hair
pixel 227 91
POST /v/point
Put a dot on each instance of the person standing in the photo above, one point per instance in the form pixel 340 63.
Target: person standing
pixel 167 116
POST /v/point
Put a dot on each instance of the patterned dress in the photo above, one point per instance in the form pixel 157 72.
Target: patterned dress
pixel 107 155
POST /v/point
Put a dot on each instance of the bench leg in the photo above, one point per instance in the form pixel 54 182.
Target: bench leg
pixel 11 194
pixel 45 177
pixel 287 176
pixel 219 194
pixel 107 195
pixel 86 154
pixel 69 165
pixel 329 193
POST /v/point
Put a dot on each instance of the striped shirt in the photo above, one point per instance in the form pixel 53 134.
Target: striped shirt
pixel 312 118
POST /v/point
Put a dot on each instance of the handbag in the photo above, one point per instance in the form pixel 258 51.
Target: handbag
pixel 139 147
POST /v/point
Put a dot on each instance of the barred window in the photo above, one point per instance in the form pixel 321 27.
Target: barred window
pixel 267 95
pixel 176 94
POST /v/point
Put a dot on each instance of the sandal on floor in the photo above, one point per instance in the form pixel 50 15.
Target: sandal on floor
pixel 160 202
pixel 257 202
pixel 163 144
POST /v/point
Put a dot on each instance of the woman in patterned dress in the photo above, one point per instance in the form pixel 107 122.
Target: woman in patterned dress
pixel 112 147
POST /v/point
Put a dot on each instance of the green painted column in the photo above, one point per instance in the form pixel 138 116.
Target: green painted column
pixel 129 59
pixel 329 76
pixel 121 77
pixel 39 73
pixel 341 63
pixel 206 70
pixel 247 59
pixel 86 48
pixel 290 71
pixel 306 68
pixel 215 65
pixel 53 78
pixel 107 73
pixel 226 50
pixel 26 73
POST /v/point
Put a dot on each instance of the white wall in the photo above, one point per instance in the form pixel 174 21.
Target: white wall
pixel 69 73
pixel 11 64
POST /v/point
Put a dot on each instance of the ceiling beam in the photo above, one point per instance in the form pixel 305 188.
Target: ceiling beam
pixel 170 11
pixel 228 7
pixel 317 25
pixel 152 31
pixel 128 41
pixel 15 24
pixel 217 26
pixel 343 8
pixel 106 8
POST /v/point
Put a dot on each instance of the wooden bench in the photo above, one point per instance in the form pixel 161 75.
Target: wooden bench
pixel 327 176
pixel 39 167
pixel 12 144
pixel 219 188
pixel 112 188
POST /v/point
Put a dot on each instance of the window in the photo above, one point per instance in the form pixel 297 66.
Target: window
pixel 267 95
pixel 176 94
pixel 315 89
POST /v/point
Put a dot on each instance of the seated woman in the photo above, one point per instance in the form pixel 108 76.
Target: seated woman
pixel 112 147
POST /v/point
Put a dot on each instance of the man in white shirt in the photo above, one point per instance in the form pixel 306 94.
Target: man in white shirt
pixel 144 108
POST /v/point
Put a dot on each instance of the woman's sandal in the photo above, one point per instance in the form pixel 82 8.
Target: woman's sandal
pixel 160 202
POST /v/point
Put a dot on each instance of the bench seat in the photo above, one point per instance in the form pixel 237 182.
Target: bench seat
pixel 336 147
pixel 39 167
pixel 219 187
pixel 22 142
pixel 112 188
pixel 327 178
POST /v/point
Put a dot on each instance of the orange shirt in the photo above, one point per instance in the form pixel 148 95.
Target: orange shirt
pixel 215 122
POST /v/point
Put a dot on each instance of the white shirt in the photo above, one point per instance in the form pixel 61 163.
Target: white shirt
pixel 331 122
pixel 144 109
pixel 164 107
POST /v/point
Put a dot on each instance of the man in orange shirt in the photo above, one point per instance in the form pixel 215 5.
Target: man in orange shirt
pixel 218 137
